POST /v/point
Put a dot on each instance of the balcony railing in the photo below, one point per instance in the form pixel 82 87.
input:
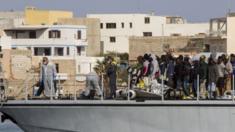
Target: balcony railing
pixel 46 42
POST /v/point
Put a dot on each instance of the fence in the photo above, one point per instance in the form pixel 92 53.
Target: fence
pixel 71 87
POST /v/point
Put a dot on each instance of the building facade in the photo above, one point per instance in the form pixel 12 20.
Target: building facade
pixel 93 32
pixel 117 28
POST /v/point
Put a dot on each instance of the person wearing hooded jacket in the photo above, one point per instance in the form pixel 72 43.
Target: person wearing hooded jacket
pixel 155 70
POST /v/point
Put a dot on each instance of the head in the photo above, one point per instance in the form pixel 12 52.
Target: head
pixel 202 58
pixel 45 60
pixel 211 61
pixel 140 59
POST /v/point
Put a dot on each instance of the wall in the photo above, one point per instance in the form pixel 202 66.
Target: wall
pixel 141 45
pixel 39 17
pixel 187 29
pixel 230 34
pixel 93 32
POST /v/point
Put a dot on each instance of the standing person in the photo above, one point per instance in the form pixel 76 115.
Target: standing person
pixel 221 70
pixel 154 68
pixel 47 78
pixel 170 71
pixel 203 67
pixel 212 78
pixel 186 76
pixel 195 73
pixel 232 60
pixel 228 73
pixel 179 72
pixel 112 75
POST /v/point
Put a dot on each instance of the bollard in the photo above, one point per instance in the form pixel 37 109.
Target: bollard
pixel 162 88
pixel 233 88
pixel 198 87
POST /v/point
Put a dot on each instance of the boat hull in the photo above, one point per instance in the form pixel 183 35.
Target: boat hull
pixel 122 116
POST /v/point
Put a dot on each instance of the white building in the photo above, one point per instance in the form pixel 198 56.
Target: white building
pixel 54 40
pixel 231 33
pixel 57 42
pixel 117 28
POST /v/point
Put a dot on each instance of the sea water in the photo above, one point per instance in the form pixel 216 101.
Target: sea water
pixel 9 126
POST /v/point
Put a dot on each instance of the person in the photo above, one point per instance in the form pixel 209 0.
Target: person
pixel 112 75
pixel 228 73
pixel 232 60
pixel 170 71
pixel 92 85
pixel 212 78
pixel 155 70
pixel 178 72
pixel 221 70
pixel 194 77
pixel 47 79
pixel 186 76
pixel 203 67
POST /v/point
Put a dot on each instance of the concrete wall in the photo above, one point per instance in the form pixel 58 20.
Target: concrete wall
pixel 231 34
pixel 37 17
pixel 93 33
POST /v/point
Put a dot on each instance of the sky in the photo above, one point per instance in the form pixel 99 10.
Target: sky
pixel 192 10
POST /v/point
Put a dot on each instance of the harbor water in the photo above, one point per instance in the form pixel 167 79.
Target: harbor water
pixel 8 126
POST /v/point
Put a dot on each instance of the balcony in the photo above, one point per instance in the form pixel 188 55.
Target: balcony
pixel 47 42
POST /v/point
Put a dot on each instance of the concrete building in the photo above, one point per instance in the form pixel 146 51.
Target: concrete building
pixel 117 28
pixel 230 33
pixel 5 52
pixel 35 16
pixel 93 32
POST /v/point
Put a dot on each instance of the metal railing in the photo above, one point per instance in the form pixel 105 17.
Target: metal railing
pixel 76 84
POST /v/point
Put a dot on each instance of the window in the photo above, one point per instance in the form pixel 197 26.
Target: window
pixel 57 67
pixel 112 39
pixel 146 20
pixel 59 51
pixel 110 25
pixel 0 48
pixel 68 50
pixel 54 34
pixel 42 51
pixel 123 25
pixel 147 34
pixel 131 25
pixel 79 34
pixel 32 34
pixel 101 25
pixel 1 55
pixel 79 50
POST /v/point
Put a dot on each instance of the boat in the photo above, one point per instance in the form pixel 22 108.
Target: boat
pixel 120 115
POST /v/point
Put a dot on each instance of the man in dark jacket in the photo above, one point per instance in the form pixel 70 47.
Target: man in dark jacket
pixel 203 68
pixel 112 75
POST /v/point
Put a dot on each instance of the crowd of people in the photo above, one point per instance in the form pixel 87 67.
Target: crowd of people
pixel 213 75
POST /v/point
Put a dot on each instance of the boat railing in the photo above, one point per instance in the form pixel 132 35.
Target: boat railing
pixel 71 87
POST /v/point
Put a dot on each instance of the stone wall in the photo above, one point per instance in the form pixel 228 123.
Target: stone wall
pixel 157 45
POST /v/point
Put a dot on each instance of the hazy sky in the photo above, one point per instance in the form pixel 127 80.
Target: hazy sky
pixel 192 10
